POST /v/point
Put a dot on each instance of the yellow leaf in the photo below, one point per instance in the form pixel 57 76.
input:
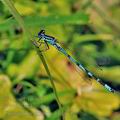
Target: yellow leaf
pixel 9 108
pixel 24 9
pixel 100 103
pixel 70 115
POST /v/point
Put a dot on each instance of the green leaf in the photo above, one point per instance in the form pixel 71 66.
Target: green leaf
pixel 51 97
pixel 92 37
pixel 14 12
pixel 33 21
pixel 57 114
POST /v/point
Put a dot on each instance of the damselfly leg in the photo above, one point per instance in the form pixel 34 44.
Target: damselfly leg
pixel 42 44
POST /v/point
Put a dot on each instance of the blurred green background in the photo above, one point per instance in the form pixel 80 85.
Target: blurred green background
pixel 89 30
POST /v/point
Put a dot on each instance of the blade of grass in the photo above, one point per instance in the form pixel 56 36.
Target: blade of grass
pixel 49 74
pixel 14 12
pixel 78 18
pixel 17 16
pixel 57 113
pixel 50 97
pixel 94 37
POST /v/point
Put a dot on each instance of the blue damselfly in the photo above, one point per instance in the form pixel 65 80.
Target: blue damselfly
pixel 43 38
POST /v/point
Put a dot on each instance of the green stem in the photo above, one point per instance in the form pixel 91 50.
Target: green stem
pixel 50 77
pixel 12 9
pixel 17 16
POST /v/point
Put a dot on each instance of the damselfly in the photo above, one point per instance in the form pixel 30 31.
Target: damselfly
pixel 43 38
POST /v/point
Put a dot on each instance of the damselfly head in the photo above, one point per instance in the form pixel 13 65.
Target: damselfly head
pixel 42 32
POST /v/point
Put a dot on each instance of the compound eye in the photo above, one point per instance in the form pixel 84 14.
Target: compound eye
pixel 41 32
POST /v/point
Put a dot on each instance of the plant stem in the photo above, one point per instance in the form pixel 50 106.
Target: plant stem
pixel 17 16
